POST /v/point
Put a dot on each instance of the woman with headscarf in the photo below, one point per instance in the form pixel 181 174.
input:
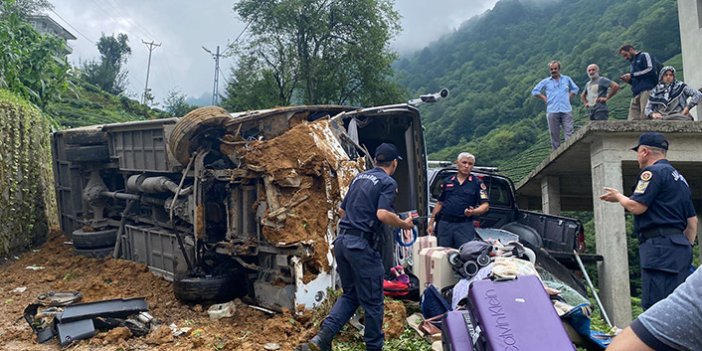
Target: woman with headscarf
pixel 668 99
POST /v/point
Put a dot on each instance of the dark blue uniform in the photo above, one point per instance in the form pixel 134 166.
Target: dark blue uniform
pixel 359 265
pixel 664 251
pixel 454 228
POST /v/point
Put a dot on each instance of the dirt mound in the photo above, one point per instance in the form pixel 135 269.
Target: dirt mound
pixel 301 171
pixel 56 267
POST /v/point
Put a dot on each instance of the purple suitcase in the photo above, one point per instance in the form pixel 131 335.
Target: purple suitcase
pixel 456 330
pixel 516 315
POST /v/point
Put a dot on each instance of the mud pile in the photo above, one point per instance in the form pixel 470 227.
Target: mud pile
pixel 56 267
pixel 304 170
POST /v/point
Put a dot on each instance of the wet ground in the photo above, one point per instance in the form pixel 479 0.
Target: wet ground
pixel 57 268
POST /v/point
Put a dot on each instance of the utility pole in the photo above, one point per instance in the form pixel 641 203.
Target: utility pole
pixel 151 46
pixel 215 89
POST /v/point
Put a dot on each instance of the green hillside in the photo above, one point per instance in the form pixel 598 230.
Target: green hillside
pixel 87 104
pixel 493 61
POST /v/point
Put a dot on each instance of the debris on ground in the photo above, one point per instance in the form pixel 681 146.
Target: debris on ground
pixel 394 318
pixel 104 279
pixel 221 310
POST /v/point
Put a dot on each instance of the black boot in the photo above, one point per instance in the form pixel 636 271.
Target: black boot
pixel 320 342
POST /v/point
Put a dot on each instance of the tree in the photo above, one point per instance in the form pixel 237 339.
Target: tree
pixel 32 65
pixel 24 8
pixel 315 52
pixel 108 73
pixel 175 104
pixel 253 86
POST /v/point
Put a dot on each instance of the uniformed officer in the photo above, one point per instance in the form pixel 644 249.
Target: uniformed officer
pixel 664 219
pixel 456 209
pixel 367 205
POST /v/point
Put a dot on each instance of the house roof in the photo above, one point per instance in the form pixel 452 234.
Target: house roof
pixel 56 28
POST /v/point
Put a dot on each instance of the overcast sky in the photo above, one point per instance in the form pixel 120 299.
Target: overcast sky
pixel 184 27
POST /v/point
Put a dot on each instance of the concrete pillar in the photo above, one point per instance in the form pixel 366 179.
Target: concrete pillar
pixel 610 233
pixel 551 195
pixel 690 21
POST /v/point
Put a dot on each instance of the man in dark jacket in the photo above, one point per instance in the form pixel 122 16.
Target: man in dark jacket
pixel 642 76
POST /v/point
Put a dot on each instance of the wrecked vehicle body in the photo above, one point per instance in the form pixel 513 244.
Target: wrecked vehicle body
pixel 228 205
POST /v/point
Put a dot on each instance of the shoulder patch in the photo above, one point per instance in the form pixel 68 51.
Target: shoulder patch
pixel 646 176
pixel 641 187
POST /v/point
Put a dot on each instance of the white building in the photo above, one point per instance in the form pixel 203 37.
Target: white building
pixel 46 25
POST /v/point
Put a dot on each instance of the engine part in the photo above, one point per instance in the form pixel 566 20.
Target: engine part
pixel 180 208
pixel 154 185
pixel 91 192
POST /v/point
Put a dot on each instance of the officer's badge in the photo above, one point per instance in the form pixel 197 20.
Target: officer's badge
pixel 646 176
pixel 482 186
pixel 641 186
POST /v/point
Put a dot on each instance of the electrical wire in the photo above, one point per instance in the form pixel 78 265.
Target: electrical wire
pixel 72 27
pixel 130 19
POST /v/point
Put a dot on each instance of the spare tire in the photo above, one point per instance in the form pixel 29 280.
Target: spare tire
pixel 182 140
pixel 214 289
pixel 94 240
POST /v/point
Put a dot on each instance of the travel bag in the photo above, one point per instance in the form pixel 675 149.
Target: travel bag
pixel 434 268
pixel 456 331
pixel 515 315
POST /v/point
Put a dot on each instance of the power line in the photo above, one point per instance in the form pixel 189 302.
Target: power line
pixel 122 14
pixel 215 87
pixel 242 31
pixel 133 31
pixel 152 46
pixel 72 27
pixel 227 53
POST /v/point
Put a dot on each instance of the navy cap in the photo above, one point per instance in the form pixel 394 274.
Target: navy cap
pixel 652 139
pixel 387 152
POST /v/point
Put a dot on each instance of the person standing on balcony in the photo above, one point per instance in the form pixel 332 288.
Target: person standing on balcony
pixel 556 92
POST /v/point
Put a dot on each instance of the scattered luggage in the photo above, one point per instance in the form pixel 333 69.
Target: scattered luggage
pixel 456 331
pixel 434 268
pixel 433 303
pixel 515 315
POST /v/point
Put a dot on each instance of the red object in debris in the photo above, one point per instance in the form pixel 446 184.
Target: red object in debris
pixel 393 288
